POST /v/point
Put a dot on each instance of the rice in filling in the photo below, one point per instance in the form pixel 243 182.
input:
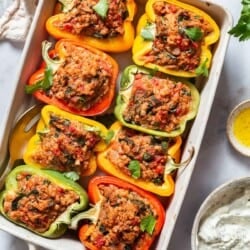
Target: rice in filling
pixel 65 145
pixel 83 20
pixel 82 80
pixel 156 103
pixel 147 151
pixel 172 47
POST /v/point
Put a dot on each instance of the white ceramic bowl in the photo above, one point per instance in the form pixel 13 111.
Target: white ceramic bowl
pixel 221 196
pixel 230 121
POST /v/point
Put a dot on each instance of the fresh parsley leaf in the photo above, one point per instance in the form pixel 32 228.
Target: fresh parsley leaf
pixel 72 175
pixel 109 136
pixel 134 167
pixel 44 84
pixel 148 224
pixel 148 32
pixel 101 8
pixel 202 69
pixel 242 28
pixel 194 33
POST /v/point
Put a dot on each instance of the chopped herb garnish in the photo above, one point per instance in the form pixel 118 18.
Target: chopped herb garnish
pixel 164 145
pixel 148 32
pixel 147 157
pixel 103 229
pixel 72 175
pixel 202 69
pixel 44 84
pixel 14 204
pixel 194 33
pixel 101 8
pixel 148 224
pixel 109 136
pixel 134 167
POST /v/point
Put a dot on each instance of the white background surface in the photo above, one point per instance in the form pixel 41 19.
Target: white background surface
pixel 217 163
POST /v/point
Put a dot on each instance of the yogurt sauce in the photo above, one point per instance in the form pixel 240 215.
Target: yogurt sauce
pixel 228 227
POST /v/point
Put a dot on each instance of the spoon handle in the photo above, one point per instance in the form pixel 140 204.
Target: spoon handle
pixel 5 173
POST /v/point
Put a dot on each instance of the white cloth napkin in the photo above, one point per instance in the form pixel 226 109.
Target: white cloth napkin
pixel 16 20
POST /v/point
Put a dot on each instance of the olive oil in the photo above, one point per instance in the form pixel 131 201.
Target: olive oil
pixel 241 127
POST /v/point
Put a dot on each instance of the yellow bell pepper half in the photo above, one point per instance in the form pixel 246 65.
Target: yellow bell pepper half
pixel 166 188
pixel 65 142
pixel 180 39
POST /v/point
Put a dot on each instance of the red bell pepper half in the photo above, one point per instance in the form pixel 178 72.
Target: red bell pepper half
pixel 75 77
pixel 123 217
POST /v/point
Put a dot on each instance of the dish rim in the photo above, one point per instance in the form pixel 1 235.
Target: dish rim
pixel 242 149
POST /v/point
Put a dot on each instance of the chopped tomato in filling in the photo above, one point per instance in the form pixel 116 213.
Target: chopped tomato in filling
pixel 147 152
pixel 82 80
pixel 157 103
pixel 118 225
pixel 65 145
pixel 37 202
pixel 82 19
pixel 179 36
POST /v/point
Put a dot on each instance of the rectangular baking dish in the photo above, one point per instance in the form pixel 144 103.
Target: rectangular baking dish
pixel 20 101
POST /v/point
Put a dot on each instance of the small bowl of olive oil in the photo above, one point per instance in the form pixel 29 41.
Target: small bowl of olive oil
pixel 238 127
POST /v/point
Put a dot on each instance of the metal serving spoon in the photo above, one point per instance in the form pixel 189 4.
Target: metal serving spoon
pixel 24 129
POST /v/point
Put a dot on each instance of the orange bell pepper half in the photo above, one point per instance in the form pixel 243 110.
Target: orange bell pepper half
pixel 82 83
pixel 112 195
pixel 115 43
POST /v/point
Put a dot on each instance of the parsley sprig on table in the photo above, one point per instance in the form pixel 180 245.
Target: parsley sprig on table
pixel 242 28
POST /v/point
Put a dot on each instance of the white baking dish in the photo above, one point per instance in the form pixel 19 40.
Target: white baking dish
pixel 20 101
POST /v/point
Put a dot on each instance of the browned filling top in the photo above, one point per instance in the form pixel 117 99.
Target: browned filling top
pixel 118 226
pixel 82 80
pixel 159 104
pixel 65 145
pixel 179 36
pixel 139 155
pixel 83 19
pixel 37 202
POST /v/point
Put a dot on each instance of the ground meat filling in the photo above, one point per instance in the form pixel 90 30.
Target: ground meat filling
pixel 149 152
pixel 37 202
pixel 118 226
pixel 66 145
pixel 159 104
pixel 83 20
pixel 82 80
pixel 172 47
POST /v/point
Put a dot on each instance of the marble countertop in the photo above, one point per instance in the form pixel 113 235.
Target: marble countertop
pixel 217 162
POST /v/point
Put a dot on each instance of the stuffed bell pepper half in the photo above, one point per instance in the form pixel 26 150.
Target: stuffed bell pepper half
pixel 79 79
pixel 42 201
pixel 176 38
pixel 103 24
pixel 155 103
pixel 65 142
pixel 141 159
pixel 123 217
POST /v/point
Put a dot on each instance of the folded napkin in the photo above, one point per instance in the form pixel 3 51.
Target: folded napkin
pixel 16 20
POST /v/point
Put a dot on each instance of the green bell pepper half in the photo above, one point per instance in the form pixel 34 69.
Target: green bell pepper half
pixel 60 224
pixel 125 91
